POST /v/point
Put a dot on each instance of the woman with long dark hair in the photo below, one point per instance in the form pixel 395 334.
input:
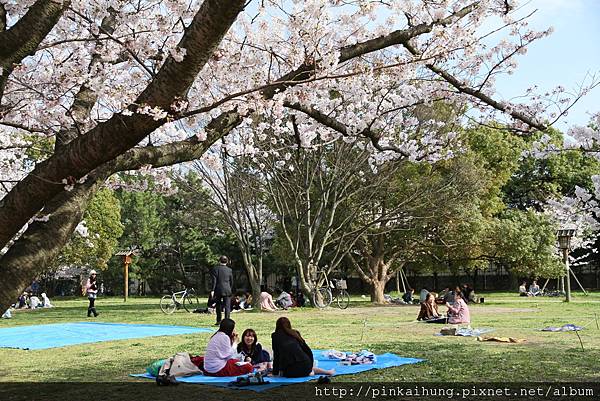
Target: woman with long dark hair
pixel 292 357
pixel 219 358
pixel 91 289
pixel 251 349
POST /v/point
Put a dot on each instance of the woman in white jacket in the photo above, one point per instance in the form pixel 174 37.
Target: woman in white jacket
pixel 91 289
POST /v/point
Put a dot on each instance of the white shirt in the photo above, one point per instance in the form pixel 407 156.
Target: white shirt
pixel 34 302
pixel 218 351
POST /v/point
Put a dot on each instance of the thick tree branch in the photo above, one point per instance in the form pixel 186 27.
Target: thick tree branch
pixel 2 18
pixel 86 98
pixel 23 38
pixel 122 132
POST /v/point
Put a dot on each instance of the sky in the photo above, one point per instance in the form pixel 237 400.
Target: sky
pixel 564 58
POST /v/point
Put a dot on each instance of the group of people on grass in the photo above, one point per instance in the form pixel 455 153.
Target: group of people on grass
pixel 292 357
pixel 533 291
pixel 28 300
pixel 455 300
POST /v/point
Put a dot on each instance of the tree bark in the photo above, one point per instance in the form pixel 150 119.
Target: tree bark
pixel 377 291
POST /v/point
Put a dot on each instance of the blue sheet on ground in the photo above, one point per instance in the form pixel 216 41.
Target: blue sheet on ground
pixel 63 334
pixel 383 361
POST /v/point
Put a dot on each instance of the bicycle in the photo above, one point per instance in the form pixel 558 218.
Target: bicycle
pixel 186 298
pixel 329 291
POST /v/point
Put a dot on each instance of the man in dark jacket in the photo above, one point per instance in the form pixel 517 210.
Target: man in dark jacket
pixel 221 289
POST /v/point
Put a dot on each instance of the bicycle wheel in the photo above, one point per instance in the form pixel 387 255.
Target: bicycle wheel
pixel 191 302
pixel 168 304
pixel 322 297
pixel 343 299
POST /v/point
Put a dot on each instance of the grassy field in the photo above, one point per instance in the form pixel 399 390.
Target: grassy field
pixel 543 357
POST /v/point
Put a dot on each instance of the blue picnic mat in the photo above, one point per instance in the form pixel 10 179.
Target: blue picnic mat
pixel 63 334
pixel 386 360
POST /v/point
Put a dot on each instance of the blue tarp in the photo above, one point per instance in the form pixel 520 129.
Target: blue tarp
pixel 63 334
pixel 383 361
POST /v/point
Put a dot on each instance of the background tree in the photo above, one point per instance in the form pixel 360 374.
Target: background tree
pixel 237 197
pixel 414 209
pixel 178 237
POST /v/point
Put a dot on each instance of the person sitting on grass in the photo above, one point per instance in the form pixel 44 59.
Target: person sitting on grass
pixel 423 294
pixel 34 302
pixel 251 349
pixel 219 358
pixel 22 301
pixel 523 290
pixel 534 289
pixel 429 309
pixel 246 301
pixel 46 301
pixel 235 303
pixel 408 296
pixel 292 357
pixel 284 300
pixel 266 302
pixel 458 312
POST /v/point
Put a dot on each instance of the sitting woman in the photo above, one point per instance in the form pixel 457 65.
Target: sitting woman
pixel 408 296
pixel 46 301
pixel 292 357
pixel 246 301
pixel 266 302
pixel 251 349
pixel 284 300
pixel 458 312
pixel 235 303
pixel 523 290
pixel 218 360
pixel 429 310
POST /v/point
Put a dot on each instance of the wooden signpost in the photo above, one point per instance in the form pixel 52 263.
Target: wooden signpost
pixel 127 259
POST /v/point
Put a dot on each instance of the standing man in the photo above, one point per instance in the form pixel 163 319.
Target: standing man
pixel 221 289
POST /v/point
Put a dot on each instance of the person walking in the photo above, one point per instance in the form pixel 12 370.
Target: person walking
pixel 221 289
pixel 91 289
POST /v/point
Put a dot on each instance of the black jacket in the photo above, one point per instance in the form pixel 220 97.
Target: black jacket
pixel 222 280
pixel 288 351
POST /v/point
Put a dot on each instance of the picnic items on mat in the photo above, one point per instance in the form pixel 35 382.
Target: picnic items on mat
pixel 463 331
pixel 383 361
pixel 364 357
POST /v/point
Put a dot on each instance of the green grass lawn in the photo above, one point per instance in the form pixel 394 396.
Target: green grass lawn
pixel 543 357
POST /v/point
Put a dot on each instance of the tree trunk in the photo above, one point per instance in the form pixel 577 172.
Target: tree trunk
pixel 255 287
pixel 377 291
pixel 43 241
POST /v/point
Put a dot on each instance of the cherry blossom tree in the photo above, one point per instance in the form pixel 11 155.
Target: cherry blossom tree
pixel 238 198
pixel 122 84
